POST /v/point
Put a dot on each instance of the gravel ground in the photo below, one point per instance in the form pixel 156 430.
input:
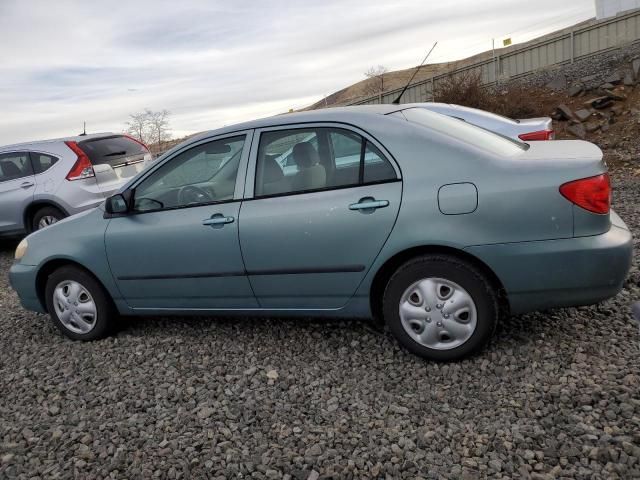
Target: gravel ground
pixel 555 395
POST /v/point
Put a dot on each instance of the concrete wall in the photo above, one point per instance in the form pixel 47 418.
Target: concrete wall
pixel 563 47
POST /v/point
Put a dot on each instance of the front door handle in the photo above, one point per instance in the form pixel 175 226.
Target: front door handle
pixel 369 203
pixel 217 219
pixel 26 184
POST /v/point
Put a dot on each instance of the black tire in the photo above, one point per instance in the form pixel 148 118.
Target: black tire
pixel 466 275
pixel 45 212
pixel 106 313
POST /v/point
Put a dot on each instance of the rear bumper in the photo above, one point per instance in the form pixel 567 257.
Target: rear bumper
pixel 561 273
pixel 23 280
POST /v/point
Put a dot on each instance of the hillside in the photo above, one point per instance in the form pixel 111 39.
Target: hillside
pixel 398 79
pixel 392 80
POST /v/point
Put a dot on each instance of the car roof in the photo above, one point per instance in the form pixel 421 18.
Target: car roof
pixel 75 138
pixel 333 114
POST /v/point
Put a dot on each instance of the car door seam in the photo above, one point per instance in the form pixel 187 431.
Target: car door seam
pixel 113 276
pixel 244 263
pixel 395 221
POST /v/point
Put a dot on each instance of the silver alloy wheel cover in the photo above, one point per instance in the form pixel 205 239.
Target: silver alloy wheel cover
pixel 46 221
pixel 438 313
pixel 75 307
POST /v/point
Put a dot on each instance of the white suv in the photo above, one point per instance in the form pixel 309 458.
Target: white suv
pixel 45 181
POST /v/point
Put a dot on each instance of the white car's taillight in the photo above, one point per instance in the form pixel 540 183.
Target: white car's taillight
pixel 82 168
pixel 539 135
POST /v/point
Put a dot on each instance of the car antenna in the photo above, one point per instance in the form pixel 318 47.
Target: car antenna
pixel 84 129
pixel 397 100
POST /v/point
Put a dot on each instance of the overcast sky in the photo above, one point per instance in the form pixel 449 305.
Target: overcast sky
pixel 213 63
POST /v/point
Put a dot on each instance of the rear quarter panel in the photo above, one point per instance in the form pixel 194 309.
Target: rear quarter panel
pixel 53 187
pixel 49 182
pixel 517 200
pixel 518 195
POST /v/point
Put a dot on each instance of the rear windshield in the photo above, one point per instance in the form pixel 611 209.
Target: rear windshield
pixel 463 131
pixel 115 151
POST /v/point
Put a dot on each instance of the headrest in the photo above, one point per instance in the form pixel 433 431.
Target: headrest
pixel 10 169
pixel 305 155
pixel 272 171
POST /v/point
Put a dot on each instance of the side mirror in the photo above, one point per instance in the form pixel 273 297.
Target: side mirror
pixel 116 204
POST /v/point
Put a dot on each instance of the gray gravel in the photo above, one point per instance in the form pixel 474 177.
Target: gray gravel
pixel 555 395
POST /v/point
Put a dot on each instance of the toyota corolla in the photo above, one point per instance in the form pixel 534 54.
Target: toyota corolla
pixel 437 227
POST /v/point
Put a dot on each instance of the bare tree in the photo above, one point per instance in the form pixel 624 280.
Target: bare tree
pixel 138 126
pixel 375 85
pixel 151 128
pixel 159 126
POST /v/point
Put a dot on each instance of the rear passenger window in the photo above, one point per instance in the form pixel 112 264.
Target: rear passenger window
pixel 42 162
pixel 308 159
pixel 376 167
pixel 346 148
pixel 14 165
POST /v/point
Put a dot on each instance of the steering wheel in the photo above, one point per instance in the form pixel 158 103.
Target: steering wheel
pixel 191 194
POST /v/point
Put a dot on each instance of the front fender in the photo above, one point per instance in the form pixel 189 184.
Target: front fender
pixel 78 239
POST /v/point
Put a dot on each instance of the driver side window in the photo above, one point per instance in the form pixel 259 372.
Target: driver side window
pixel 201 175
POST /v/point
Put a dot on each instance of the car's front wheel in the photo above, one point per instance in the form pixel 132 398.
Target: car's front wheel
pixel 79 306
pixel 440 307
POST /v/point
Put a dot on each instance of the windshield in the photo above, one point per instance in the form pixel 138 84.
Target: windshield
pixel 463 131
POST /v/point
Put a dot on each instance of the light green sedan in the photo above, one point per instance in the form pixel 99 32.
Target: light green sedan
pixel 432 225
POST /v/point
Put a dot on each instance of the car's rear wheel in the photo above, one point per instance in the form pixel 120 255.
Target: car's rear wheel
pixel 440 307
pixel 46 216
pixel 79 306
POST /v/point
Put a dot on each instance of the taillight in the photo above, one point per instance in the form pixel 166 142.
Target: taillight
pixel 82 168
pixel 539 135
pixel 592 194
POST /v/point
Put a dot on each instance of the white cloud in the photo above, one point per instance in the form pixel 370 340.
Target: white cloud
pixel 213 63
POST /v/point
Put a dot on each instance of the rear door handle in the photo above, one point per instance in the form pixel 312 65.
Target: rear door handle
pixel 26 184
pixel 369 204
pixel 217 219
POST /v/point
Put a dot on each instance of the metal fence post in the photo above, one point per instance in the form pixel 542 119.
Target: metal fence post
pixel 572 46
pixel 433 89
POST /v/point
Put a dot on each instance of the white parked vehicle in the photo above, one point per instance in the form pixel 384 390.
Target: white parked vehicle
pixel 524 129
pixel 42 182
